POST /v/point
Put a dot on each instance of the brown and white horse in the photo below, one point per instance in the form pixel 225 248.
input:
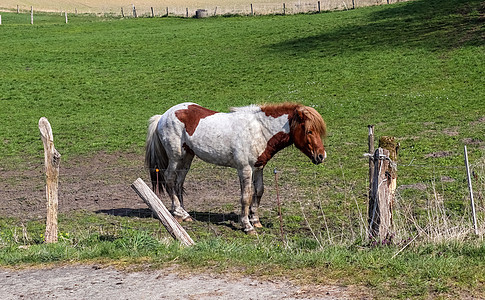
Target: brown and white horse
pixel 245 139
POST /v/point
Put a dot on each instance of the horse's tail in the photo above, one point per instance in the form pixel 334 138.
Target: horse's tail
pixel 156 159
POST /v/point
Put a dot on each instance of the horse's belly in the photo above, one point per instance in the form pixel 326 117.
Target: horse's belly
pixel 223 151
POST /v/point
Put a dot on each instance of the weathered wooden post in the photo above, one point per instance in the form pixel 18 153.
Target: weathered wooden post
pixel 52 161
pixel 65 14
pixel 162 213
pixel 390 143
pixel 383 170
pixel 31 15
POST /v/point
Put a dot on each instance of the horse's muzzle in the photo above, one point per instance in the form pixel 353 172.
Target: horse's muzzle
pixel 319 158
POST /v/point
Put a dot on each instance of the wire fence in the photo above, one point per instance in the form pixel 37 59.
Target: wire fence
pixel 147 9
pixel 434 206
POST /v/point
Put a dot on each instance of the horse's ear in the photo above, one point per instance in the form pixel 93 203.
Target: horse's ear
pixel 300 114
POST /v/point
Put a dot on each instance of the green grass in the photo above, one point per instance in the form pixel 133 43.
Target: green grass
pixel 414 69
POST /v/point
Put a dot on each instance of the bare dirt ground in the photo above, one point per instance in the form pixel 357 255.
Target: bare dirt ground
pixel 101 183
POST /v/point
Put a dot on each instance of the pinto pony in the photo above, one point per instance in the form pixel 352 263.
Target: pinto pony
pixel 245 139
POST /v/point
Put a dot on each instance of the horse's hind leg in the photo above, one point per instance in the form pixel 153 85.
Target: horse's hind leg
pixel 183 169
pixel 258 193
pixel 171 174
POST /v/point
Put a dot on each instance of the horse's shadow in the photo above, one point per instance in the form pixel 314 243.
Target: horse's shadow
pixel 221 219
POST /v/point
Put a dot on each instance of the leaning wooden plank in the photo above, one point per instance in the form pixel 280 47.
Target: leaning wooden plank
pixel 52 161
pixel 162 213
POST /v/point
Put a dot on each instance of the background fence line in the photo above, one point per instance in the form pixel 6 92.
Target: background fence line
pixel 256 8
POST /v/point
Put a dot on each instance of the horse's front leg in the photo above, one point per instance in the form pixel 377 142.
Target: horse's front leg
pixel 245 179
pixel 258 193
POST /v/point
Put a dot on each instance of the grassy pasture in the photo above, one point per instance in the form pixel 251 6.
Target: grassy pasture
pixel 414 69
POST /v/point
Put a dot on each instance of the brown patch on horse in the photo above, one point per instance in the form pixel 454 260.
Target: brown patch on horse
pixel 278 142
pixel 192 115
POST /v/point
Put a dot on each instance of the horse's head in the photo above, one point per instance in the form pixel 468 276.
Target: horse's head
pixel 307 132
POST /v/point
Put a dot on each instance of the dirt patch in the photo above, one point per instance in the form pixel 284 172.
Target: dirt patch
pixel 102 183
pixel 416 186
pixel 439 154
pixel 93 282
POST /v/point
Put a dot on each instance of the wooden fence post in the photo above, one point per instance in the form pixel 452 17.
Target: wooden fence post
pixel 65 13
pixel 381 197
pixel 162 213
pixel 52 161
pixel 0 19
pixel 389 143
pixel 31 15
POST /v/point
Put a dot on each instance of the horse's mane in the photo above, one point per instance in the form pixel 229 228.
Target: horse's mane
pixel 313 118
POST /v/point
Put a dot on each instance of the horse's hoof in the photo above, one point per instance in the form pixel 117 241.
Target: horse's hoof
pixel 257 224
pixel 178 219
pixel 188 219
pixel 251 232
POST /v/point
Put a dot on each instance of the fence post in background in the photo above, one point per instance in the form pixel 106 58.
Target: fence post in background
pixel 472 202
pixel 65 13
pixel 162 213
pixel 319 6
pixel 252 11
pixel 215 11
pixel 284 8
pixel 31 15
pixel 0 19
pixel 380 201
pixel 167 12
pixel 52 160
pixel 186 12
pixel 134 11
pixel 153 15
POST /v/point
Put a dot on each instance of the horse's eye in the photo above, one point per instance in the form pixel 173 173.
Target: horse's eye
pixel 309 132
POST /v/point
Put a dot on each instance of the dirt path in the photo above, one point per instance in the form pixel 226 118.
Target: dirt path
pixel 93 282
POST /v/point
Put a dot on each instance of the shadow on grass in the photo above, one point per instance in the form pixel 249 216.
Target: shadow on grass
pixel 425 24
pixel 229 220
